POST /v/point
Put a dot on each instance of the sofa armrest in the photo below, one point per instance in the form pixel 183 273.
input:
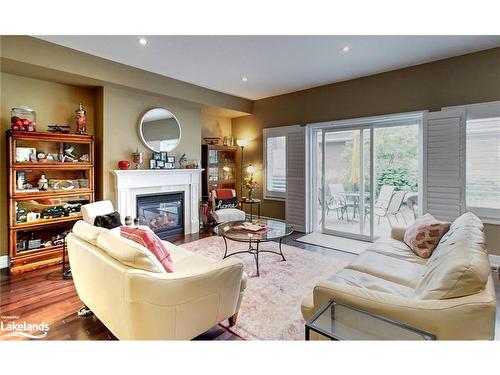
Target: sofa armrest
pixel 442 318
pixel 398 233
pixel 182 305
pixel 182 287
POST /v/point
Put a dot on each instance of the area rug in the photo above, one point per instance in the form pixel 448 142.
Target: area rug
pixel 346 245
pixel 271 305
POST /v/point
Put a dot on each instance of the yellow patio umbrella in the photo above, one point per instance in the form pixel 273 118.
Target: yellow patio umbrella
pixel 355 169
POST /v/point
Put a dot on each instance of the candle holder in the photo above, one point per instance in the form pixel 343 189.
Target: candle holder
pixel 137 159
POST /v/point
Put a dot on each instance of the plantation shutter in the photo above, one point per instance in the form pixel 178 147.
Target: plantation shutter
pixel 444 164
pixel 295 207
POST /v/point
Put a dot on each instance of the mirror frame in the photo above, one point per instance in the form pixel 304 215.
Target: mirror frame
pixel 141 136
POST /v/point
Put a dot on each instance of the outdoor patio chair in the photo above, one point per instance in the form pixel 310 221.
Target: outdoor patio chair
pixel 382 202
pixel 393 209
pixel 333 203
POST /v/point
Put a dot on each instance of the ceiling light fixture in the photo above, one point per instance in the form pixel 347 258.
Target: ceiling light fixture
pixel 346 49
pixel 244 79
pixel 142 41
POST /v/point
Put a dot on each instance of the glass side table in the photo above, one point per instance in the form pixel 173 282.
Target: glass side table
pixel 341 322
pixel 252 202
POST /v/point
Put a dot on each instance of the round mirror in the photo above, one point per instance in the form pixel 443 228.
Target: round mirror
pixel 160 130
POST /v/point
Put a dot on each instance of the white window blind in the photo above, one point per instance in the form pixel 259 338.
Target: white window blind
pixel 295 208
pixel 444 164
pixel 276 164
pixel 483 166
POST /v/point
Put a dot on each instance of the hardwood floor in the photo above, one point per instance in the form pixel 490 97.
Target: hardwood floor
pixel 44 296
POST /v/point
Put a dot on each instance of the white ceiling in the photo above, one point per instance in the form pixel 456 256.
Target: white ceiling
pixel 273 64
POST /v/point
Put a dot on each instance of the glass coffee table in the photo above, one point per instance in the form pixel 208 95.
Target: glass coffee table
pixel 341 322
pixel 275 230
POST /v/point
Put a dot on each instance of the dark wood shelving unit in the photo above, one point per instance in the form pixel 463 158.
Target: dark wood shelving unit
pixel 21 231
pixel 219 165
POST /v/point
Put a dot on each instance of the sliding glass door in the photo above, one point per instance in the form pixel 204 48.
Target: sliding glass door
pixel 346 188
pixel 365 176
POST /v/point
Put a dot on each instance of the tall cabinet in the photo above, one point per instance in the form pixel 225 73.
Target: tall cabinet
pixel 49 177
pixel 219 168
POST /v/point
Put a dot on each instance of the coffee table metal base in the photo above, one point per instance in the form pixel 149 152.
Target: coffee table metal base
pixel 254 251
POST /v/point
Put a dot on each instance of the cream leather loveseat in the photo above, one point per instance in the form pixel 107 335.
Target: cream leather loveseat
pixel 127 289
pixel 450 295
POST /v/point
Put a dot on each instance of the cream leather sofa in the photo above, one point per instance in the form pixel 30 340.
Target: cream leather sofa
pixel 450 295
pixel 128 290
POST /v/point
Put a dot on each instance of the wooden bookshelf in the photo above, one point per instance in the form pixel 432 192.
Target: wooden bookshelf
pixel 219 165
pixel 36 216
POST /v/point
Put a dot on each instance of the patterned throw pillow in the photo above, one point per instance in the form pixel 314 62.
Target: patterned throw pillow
pixel 424 234
pixel 226 203
pixel 150 241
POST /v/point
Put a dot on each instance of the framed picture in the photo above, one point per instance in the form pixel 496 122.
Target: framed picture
pixel 163 155
pixel 169 165
pixel 171 159
pixel 152 164
pixel 156 156
pixel 160 164
pixel 23 154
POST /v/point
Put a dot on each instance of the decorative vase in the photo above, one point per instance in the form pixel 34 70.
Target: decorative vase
pixel 124 165
pixel 249 195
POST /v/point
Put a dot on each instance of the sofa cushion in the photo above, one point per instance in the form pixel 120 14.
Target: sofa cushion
pixel 87 232
pixel 460 264
pixel 388 268
pixel 396 249
pixel 467 220
pixel 363 280
pixel 424 234
pixel 128 252
pixel 91 210
pixel 228 214
pixel 148 239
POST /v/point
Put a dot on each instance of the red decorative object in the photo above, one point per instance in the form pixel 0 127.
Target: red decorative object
pixel 23 119
pixel 124 165
pixel 81 123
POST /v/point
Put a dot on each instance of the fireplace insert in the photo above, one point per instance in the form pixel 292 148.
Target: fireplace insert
pixel 162 212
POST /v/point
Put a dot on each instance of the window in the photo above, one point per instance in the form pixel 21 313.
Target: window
pixel 275 159
pixel 483 165
pixel 276 164
pixel 482 160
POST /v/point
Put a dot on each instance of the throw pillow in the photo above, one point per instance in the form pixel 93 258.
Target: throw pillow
pixel 148 239
pixel 226 203
pixel 424 234
pixel 108 221
pixel 224 193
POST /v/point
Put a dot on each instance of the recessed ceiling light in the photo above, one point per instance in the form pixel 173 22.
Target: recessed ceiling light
pixel 346 49
pixel 142 41
pixel 244 79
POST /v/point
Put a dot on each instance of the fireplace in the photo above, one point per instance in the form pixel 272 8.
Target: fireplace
pixel 162 212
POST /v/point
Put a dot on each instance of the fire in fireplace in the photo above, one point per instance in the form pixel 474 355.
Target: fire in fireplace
pixel 162 212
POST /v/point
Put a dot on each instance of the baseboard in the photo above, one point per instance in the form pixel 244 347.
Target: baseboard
pixel 4 261
pixel 495 262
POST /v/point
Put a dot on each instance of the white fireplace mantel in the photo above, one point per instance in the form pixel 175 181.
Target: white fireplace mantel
pixel 131 183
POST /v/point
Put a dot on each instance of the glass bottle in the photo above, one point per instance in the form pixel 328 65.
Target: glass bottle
pixel 81 123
